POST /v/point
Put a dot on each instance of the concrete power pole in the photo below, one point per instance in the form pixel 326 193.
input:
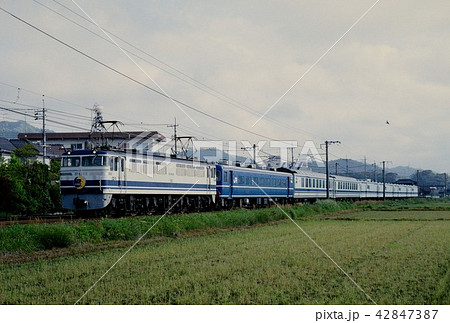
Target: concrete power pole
pixel 445 184
pixel 417 178
pixel 327 143
pixel 174 126
pixel 384 179
pixel 44 134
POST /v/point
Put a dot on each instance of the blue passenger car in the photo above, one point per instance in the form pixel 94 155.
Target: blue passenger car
pixel 247 183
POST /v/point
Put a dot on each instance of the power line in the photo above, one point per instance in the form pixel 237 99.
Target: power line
pixel 48 97
pixel 48 120
pixel 207 89
pixel 236 103
pixel 132 79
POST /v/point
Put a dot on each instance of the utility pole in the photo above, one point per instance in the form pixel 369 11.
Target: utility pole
pixel 365 168
pixel 384 180
pixel 445 184
pixel 254 155
pixel 417 178
pixel 44 135
pixel 374 172
pixel 346 166
pixel 327 143
pixel 336 167
pixel 292 157
pixel 174 126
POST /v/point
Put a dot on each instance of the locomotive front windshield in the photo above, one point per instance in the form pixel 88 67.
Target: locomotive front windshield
pixel 85 161
pixel 70 162
pixel 88 161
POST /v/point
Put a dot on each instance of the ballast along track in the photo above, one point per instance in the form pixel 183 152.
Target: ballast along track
pixel 50 218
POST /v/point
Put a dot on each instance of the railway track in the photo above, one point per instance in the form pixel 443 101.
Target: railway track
pixel 50 218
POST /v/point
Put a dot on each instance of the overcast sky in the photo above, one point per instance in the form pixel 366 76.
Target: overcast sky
pixel 234 60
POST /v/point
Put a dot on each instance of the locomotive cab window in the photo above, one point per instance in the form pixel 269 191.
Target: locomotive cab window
pixel 89 161
pixel 70 162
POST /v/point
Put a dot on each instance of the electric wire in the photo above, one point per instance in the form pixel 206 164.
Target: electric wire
pixel 208 89
pixel 132 79
pixel 138 82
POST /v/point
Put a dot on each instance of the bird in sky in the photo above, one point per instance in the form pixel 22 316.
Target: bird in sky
pixel 387 122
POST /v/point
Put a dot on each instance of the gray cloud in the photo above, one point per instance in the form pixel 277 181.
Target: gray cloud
pixel 393 65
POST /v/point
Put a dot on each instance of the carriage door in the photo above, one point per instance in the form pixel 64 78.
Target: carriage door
pixel 288 186
pixel 231 184
pixel 209 174
pixel 120 166
pixel 333 188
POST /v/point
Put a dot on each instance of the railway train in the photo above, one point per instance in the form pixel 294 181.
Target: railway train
pixel 120 182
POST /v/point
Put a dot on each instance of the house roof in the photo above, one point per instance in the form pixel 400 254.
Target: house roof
pixel 19 143
pixel 6 145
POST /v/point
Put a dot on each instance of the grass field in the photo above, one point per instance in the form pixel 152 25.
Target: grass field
pixel 397 257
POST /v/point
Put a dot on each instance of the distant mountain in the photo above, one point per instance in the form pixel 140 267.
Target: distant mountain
pixel 403 171
pixel 10 130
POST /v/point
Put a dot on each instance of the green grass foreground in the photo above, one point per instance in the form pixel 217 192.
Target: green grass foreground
pixel 35 237
pixel 397 257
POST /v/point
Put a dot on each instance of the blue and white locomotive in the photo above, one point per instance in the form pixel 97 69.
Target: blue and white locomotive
pixel 138 183
pixel 117 182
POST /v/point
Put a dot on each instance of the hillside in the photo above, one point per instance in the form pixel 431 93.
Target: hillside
pixel 10 129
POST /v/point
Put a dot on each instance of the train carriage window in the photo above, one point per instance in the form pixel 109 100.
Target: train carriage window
pixel 218 175
pixel 303 182
pixel 71 162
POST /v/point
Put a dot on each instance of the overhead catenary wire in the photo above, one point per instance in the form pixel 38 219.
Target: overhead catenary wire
pixel 133 79
pixel 48 120
pixel 207 89
pixel 138 82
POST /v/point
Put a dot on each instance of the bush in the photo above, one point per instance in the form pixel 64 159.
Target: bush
pixel 53 236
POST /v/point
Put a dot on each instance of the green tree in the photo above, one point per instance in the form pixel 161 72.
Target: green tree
pixel 29 188
pixel 26 152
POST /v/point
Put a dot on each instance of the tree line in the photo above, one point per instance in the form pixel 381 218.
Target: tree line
pixel 27 187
